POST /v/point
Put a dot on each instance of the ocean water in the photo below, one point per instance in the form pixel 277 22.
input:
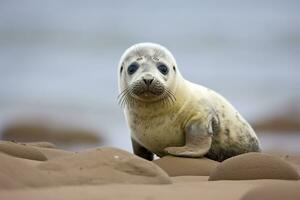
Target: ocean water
pixel 58 59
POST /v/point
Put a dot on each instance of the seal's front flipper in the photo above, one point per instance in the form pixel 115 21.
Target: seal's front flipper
pixel 195 150
pixel 198 141
pixel 141 151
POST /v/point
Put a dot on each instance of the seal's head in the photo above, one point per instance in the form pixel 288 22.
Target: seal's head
pixel 147 73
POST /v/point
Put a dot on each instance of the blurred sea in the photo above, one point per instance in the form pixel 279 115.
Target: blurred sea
pixel 58 59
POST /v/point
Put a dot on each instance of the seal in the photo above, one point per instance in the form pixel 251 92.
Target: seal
pixel 169 115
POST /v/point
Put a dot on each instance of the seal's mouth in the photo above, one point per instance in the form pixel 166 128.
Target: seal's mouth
pixel 146 90
pixel 147 94
pixel 141 92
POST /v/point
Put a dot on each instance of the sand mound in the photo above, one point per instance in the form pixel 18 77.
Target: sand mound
pixel 254 166
pixel 91 167
pixel 278 191
pixel 179 166
pixel 103 165
pixel 21 151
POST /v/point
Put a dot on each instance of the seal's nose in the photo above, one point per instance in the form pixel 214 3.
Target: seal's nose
pixel 148 80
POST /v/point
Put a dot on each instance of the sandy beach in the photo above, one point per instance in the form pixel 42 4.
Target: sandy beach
pixel 111 173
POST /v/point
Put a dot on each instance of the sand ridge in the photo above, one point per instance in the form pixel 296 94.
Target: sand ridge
pixel 21 151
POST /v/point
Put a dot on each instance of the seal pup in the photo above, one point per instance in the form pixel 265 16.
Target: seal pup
pixel 168 114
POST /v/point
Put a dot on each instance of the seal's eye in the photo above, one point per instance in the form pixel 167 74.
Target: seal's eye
pixel 163 69
pixel 132 68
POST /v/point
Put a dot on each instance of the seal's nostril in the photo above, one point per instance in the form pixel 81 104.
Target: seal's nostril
pixel 151 80
pixel 148 81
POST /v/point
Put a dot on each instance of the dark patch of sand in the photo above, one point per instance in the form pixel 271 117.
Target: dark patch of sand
pixel 37 130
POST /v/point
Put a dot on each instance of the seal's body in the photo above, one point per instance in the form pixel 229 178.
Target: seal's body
pixel 170 115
